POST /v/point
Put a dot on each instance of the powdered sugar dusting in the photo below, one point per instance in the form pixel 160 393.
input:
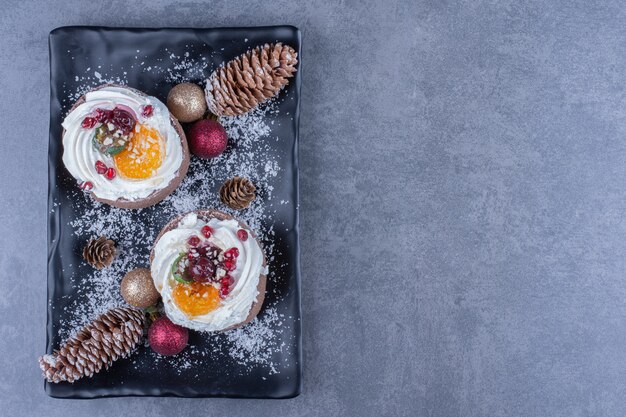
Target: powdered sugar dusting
pixel 254 344
pixel 185 68
pixel 89 81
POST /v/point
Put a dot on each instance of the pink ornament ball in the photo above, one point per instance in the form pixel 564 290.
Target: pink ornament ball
pixel 167 338
pixel 207 138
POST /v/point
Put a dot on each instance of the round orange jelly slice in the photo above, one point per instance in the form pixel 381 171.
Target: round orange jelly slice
pixel 143 155
pixel 196 299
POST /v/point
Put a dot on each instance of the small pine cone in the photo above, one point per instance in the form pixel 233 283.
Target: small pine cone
pixel 211 116
pixel 111 336
pixel 250 79
pixel 99 252
pixel 237 193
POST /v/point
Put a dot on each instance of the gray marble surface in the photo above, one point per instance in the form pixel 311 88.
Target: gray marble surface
pixel 463 199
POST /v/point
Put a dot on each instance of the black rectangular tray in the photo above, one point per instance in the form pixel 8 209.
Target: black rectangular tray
pixel 125 54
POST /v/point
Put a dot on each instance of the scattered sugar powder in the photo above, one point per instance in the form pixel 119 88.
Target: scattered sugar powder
pixel 255 343
pixel 185 68
pixel 250 154
pixel 86 82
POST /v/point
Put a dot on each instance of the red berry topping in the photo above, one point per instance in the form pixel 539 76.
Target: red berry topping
pixel 227 281
pixel 229 264
pixel 147 110
pixel 224 291
pixel 206 249
pixel 101 167
pixel 103 115
pixel 89 122
pixel 242 235
pixel 86 186
pixel 231 253
pixel 193 241
pixel 123 120
pixel 110 174
pixel 206 231
pixel 201 269
pixel 192 254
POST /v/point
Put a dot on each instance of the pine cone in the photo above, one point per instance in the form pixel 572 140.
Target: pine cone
pixel 111 336
pixel 237 193
pixel 250 79
pixel 99 252
pixel 211 116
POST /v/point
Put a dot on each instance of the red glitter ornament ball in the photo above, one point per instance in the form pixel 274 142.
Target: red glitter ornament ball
pixel 207 138
pixel 167 338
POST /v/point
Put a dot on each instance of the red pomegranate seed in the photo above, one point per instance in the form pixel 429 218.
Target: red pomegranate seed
pixel 193 241
pixel 89 122
pixel 231 253
pixel 147 111
pixel 102 115
pixel 242 235
pixel 224 291
pixel 101 167
pixel 110 174
pixel 206 231
pixel 227 281
pixel 229 264
pixel 87 186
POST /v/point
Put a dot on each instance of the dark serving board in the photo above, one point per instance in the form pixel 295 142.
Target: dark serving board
pixel 72 51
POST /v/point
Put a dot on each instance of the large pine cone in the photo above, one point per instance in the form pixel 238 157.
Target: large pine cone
pixel 99 252
pixel 250 79
pixel 237 193
pixel 112 336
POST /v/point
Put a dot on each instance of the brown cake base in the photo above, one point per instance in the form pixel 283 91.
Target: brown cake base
pixel 157 195
pixel 207 214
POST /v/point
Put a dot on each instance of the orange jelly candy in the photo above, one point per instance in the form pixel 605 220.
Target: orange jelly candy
pixel 143 155
pixel 196 299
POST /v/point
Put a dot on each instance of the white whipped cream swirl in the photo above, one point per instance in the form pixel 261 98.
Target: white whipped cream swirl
pixel 233 309
pixel 80 156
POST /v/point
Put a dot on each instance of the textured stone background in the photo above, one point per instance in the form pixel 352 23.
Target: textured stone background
pixel 463 200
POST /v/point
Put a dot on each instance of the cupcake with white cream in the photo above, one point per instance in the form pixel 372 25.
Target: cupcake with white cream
pixel 210 271
pixel 124 147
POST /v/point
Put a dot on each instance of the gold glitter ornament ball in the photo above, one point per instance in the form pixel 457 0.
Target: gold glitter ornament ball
pixel 138 289
pixel 186 102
